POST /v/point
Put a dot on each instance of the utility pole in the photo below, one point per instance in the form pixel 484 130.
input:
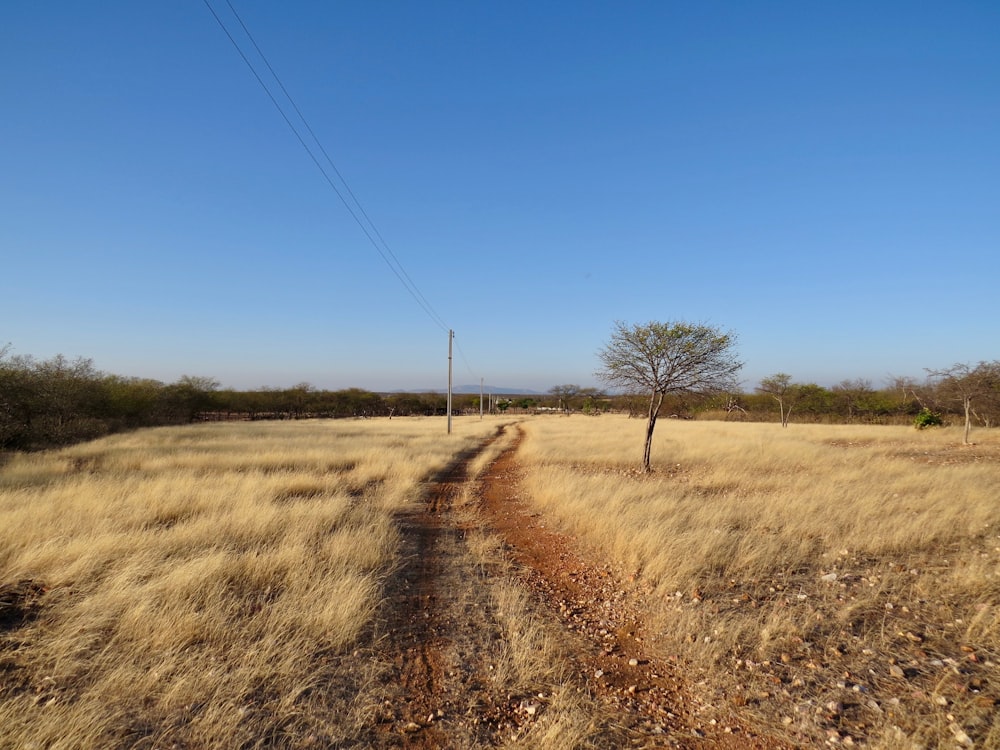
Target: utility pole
pixel 451 335
pixel 480 399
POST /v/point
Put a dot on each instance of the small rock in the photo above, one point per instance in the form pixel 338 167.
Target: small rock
pixel 896 671
pixel 960 736
pixel 633 662
pixel 829 577
pixel 411 726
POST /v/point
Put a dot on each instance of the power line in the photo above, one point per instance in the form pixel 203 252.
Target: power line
pixel 329 160
pixel 333 166
pixel 384 251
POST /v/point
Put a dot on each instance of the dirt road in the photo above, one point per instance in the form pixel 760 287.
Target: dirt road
pixel 445 641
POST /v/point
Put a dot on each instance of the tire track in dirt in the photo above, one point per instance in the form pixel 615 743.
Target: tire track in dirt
pixel 413 718
pixel 439 635
pixel 651 697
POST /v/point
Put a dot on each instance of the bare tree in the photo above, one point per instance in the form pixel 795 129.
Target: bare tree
pixel 668 358
pixel 908 390
pixel 962 382
pixel 779 387
pixel 564 393
pixel 854 396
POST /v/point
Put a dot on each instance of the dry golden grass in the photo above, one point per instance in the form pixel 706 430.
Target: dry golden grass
pixel 201 586
pixel 836 579
pixel 215 586
pixel 528 659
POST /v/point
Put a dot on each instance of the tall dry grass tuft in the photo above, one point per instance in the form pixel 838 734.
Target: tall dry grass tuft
pixel 529 659
pixel 202 586
pixel 810 567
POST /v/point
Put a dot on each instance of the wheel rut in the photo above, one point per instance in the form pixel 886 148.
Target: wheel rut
pixel 420 709
pixel 441 638
pixel 650 695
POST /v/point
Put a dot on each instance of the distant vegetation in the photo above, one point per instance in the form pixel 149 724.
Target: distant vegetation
pixel 58 401
pixel 47 403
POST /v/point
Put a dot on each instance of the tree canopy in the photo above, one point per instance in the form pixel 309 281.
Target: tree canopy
pixel 668 358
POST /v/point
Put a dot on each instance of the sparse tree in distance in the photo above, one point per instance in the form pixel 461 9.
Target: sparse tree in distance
pixel 668 358
pixel 634 403
pixel 564 393
pixel 779 387
pixel 592 400
pixel 964 383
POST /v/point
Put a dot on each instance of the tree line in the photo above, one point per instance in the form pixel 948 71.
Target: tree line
pixel 58 401
pixel 779 398
pixel 681 362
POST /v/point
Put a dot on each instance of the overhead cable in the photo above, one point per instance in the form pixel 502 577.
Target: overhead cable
pixel 370 230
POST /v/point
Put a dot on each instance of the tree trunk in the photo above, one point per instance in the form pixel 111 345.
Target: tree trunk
pixel 655 399
pixel 968 418
pixel 781 410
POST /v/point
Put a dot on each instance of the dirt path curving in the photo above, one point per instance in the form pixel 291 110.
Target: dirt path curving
pixel 651 695
pixel 442 634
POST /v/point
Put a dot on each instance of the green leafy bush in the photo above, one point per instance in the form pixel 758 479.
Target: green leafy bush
pixel 927 418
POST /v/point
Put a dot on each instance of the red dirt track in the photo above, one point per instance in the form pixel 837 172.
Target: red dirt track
pixel 438 704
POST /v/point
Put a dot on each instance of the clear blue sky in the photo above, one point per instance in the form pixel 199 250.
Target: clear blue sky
pixel 821 178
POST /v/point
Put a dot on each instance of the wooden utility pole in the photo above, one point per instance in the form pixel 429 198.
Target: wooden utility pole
pixel 451 335
pixel 480 399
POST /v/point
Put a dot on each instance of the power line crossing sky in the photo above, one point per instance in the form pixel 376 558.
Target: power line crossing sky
pixel 820 179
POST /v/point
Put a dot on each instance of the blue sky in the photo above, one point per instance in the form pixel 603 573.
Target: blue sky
pixel 823 179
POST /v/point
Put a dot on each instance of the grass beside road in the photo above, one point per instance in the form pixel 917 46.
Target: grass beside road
pixel 837 580
pixel 220 585
pixel 201 586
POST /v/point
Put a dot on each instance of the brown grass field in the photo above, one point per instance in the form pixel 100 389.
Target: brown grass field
pixel 834 580
pixel 192 587
pixel 231 585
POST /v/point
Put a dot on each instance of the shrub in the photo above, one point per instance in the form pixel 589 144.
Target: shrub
pixel 927 418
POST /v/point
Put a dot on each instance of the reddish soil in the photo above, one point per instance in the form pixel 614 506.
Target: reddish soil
pixel 651 694
pixel 439 697
pixel 416 629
